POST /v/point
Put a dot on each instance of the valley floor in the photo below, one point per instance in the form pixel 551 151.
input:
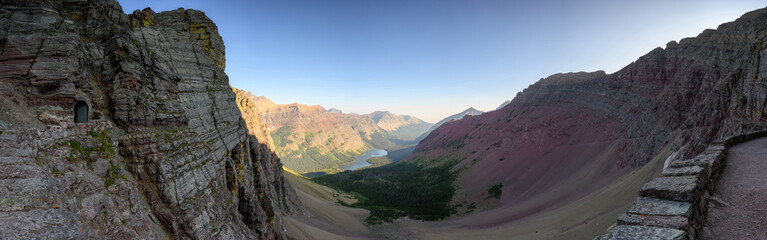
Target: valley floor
pixel 583 218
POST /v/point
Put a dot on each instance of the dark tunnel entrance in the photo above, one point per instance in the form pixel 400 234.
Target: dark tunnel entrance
pixel 81 112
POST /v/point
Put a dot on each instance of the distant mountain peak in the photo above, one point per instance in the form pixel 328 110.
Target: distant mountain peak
pixel 378 115
pixel 471 111
pixel 391 122
pixel 335 110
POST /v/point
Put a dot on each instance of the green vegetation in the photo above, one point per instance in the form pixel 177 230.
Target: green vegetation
pixel 459 143
pixel 398 190
pixel 495 191
pixel 279 136
pixel 106 143
pixel 381 140
pixel 56 172
pixel 399 154
pixel 80 152
pixel 113 174
pixel 320 172
pixel 471 207
pixel 376 162
pixel 308 157
pixel 379 161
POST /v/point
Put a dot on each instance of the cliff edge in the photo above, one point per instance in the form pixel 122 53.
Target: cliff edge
pixel 125 126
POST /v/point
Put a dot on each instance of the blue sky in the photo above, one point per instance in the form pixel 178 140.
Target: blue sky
pixel 432 59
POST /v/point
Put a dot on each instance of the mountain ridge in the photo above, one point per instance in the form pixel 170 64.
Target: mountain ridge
pixel 503 104
pixel 314 139
pixel 471 111
pixel 570 135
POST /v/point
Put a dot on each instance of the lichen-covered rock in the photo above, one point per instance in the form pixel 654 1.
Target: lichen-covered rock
pixel 658 213
pixel 659 207
pixel 165 153
pixel 675 222
pixel 676 188
pixel 629 232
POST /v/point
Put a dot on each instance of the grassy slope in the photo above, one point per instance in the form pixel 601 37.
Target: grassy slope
pixel 583 218
pixel 327 220
pixel 303 153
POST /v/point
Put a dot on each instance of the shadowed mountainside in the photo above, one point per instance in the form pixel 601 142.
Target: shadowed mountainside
pixel 592 128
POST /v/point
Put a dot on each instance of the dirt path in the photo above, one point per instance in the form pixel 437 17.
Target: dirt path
pixel 738 208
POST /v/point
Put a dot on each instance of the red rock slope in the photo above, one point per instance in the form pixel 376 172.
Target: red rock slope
pixel 585 130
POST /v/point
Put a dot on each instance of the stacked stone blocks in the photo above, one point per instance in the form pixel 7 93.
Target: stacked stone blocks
pixel 673 205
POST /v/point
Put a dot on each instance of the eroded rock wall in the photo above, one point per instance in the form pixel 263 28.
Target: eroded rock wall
pixel 166 152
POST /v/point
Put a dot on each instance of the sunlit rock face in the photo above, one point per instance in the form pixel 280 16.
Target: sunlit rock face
pixel 165 152
pixel 314 139
pixel 595 127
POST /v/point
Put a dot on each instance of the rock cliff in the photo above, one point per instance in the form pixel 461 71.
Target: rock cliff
pixel 165 152
pixel 595 127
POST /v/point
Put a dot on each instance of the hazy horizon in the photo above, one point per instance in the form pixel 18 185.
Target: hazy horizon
pixel 433 60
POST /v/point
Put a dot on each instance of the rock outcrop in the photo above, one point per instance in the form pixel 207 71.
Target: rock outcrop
pixel 165 152
pixel 596 127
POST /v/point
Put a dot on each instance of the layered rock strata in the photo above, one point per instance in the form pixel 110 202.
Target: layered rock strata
pixel 165 152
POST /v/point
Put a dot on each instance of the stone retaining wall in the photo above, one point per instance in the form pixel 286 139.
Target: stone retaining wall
pixel 673 205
